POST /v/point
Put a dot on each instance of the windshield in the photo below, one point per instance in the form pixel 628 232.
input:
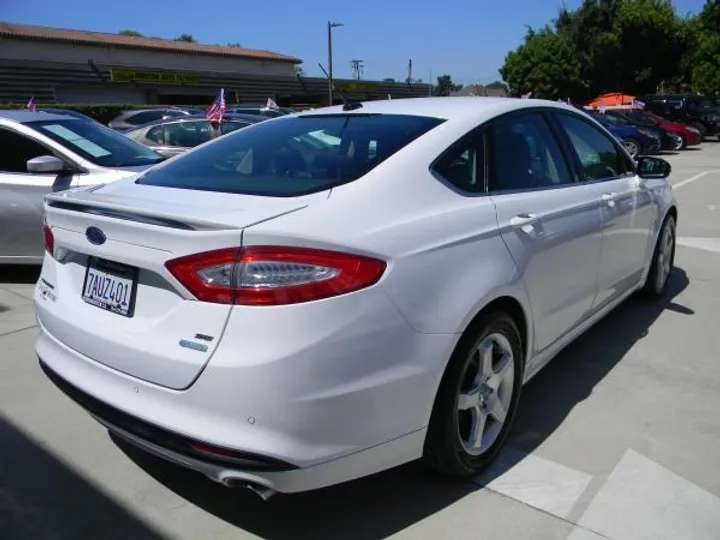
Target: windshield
pixel 293 156
pixel 96 143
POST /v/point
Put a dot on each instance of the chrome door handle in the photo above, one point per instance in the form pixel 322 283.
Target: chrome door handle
pixel 522 220
pixel 609 198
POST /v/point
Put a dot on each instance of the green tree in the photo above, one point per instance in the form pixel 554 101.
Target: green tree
pixel 603 46
pixel 134 33
pixel 445 86
pixel 185 37
pixel 546 65
pixel 706 61
pixel 388 79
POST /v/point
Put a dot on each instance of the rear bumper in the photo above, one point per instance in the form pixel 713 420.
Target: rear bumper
pixel 257 470
pixel 347 407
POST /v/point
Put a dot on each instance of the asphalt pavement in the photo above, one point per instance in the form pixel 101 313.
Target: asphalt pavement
pixel 617 438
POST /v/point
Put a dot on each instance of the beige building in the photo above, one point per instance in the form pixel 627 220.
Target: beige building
pixel 72 66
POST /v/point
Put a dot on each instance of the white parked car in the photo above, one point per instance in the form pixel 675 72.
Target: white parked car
pixel 41 153
pixel 285 315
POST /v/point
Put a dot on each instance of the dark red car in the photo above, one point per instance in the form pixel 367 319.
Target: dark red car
pixel 690 136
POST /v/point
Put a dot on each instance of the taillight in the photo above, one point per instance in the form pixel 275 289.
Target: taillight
pixel 273 275
pixel 49 238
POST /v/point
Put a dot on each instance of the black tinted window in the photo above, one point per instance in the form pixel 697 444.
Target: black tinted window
pixel 294 155
pixel 525 154
pixel 463 165
pixel 96 143
pixel 598 155
pixel 16 150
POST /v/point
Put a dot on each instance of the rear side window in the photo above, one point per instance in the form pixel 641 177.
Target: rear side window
pixel 293 156
pixel 598 155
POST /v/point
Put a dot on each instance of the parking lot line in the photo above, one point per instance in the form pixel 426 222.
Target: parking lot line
pixel 694 178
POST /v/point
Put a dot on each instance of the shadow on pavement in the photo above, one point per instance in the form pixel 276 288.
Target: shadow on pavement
pixel 19 274
pixel 388 502
pixel 41 498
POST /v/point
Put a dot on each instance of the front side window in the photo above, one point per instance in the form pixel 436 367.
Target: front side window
pixel 525 154
pixel 16 150
pixel 96 143
pixel 599 157
pixel 293 156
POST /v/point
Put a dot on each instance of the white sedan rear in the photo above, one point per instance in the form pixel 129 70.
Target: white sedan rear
pixel 327 295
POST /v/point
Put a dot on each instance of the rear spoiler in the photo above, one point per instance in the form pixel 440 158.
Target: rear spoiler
pixel 73 201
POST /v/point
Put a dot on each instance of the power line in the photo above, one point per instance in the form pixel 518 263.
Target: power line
pixel 358 67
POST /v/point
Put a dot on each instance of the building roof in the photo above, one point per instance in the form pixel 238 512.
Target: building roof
pixel 45 33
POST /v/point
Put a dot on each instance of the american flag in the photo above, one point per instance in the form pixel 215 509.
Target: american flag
pixel 526 96
pixel 636 104
pixel 31 105
pixel 271 104
pixel 217 110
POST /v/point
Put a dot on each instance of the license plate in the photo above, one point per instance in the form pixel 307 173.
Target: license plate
pixel 110 286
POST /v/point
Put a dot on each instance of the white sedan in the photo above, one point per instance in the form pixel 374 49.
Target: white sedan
pixel 285 315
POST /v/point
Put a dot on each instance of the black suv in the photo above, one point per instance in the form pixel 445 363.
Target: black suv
pixel 701 112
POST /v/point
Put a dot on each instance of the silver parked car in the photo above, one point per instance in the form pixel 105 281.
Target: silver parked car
pixel 44 152
pixel 174 136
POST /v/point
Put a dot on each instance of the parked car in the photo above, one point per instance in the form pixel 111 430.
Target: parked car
pixel 636 140
pixel 689 135
pixel 134 118
pixel 258 110
pixel 286 316
pixel 178 135
pixel 44 153
pixel 701 112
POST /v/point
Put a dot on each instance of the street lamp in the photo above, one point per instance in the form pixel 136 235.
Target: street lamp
pixel 330 26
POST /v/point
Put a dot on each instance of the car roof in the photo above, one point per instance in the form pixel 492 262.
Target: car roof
pixel 24 116
pixel 448 108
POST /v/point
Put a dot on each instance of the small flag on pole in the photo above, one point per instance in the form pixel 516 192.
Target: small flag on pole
pixel 271 104
pixel 602 108
pixel 389 97
pixel 636 104
pixel 31 105
pixel 217 110
pixel 526 96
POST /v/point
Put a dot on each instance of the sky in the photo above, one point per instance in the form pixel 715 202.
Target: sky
pixel 466 39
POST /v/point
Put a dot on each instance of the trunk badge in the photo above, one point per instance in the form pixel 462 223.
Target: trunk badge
pixel 193 345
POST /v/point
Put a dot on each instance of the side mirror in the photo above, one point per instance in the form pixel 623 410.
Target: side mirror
pixel 652 167
pixel 46 164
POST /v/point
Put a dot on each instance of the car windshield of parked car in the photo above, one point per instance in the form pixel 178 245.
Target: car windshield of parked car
pixel 293 156
pixel 96 143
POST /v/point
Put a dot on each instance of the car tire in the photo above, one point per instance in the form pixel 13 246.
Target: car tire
pixel 633 147
pixel 701 128
pixel 477 389
pixel 682 144
pixel 663 260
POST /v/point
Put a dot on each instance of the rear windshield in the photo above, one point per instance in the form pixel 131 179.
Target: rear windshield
pixel 97 143
pixel 292 156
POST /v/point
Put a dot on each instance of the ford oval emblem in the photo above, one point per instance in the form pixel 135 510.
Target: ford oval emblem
pixel 95 236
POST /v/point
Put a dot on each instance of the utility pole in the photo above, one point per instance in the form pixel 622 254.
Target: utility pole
pixel 410 71
pixel 330 26
pixel 357 68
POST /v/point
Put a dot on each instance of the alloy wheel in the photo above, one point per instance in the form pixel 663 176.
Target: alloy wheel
pixel 665 255
pixel 632 148
pixel 485 394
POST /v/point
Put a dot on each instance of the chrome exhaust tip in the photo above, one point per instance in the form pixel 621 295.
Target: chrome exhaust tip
pixel 265 493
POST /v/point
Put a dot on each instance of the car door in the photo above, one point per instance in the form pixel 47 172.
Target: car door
pixel 21 196
pixel 549 222
pixel 628 209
